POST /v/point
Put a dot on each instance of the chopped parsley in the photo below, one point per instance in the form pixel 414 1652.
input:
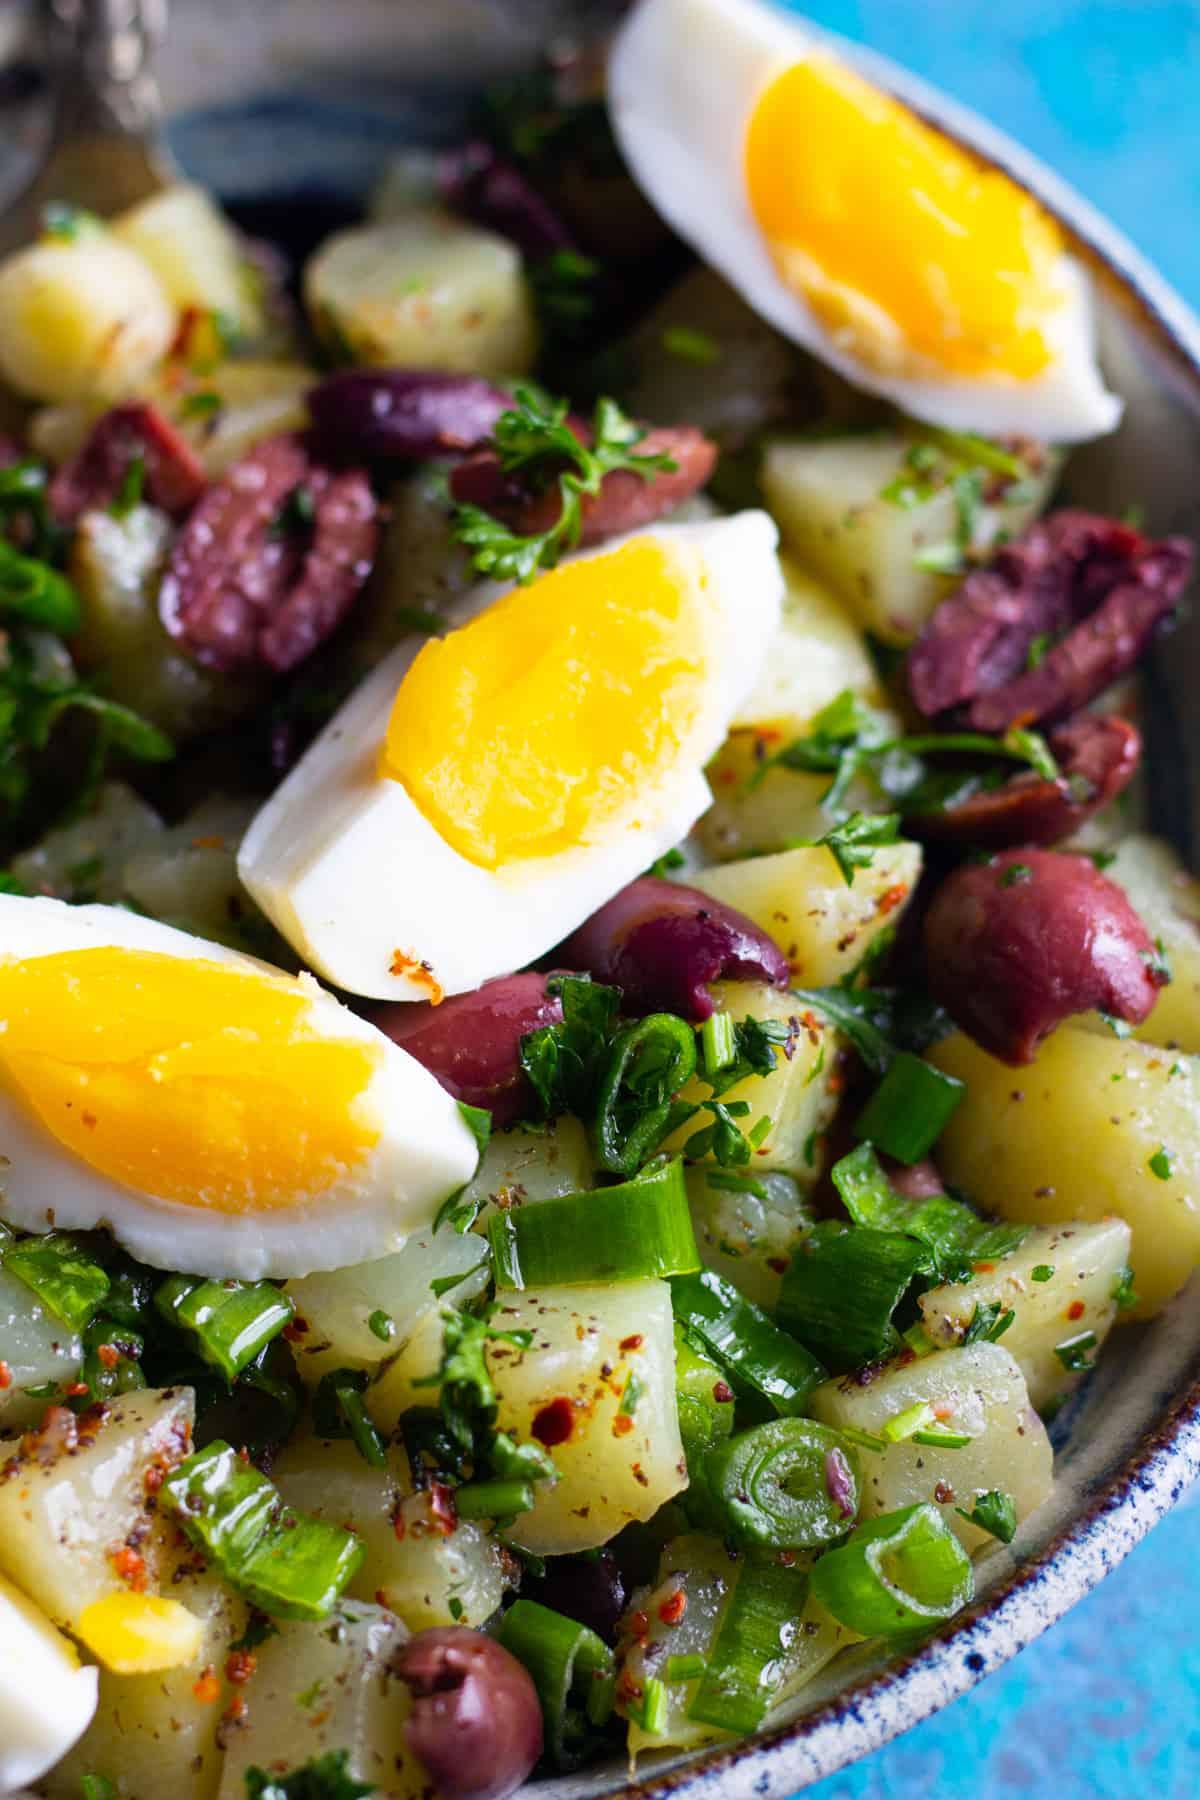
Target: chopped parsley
pixel 326 1777
pixel 988 1323
pixel 1162 1163
pixel 994 1511
pixel 1075 1353
pixel 1016 873
pixel 382 1326
pixel 1042 1272
pixel 1124 1293
pixel 691 346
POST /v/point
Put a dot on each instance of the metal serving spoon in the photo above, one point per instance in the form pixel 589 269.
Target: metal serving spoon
pixel 107 149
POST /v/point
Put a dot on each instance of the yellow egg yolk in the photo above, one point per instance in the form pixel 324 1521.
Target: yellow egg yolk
pixel 529 730
pixel 184 1079
pixel 914 256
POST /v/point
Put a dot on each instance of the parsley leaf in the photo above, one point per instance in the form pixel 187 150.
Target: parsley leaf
pixel 326 1777
pixel 993 1511
pixel 853 842
pixel 534 441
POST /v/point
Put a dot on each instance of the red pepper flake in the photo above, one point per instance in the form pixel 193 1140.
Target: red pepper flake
pixel 622 1425
pixel 399 1527
pixel 442 1510
pixel 109 1355
pixel 207 1688
pixel 211 841
pixel 983 1268
pixel 943 1493
pixel 295 1329
pixel 722 1393
pixel 75 1388
pixel 555 1422
pixel 240 1666
pixel 130 1567
pixel 1076 1309
pixel 673 1607
pixel 5 1375
pixel 891 899
pixel 787 1559
pixel 633 1343
pixel 639 1624
pixel 777 1264
pixel 420 973
pixel 640 1476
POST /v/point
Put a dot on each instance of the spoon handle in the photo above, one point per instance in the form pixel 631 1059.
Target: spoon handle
pixel 102 52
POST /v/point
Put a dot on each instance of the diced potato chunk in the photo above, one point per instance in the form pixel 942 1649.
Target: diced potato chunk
pixel 588 1343
pixel 327 1687
pixel 978 1391
pixel 1094 1127
pixel 116 565
pixel 36 1351
pixel 1060 1282
pixel 1168 899
pixel 423 291
pixel 81 320
pixel 189 243
pixel 159 1731
pixel 520 1166
pixel 187 875
pixel 412 1564
pixel 742 1235
pixel 801 899
pixel 827 497
pixel 86 857
pixel 75 1494
pixel 798 1099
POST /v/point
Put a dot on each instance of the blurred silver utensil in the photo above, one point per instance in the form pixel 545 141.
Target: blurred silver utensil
pixel 107 149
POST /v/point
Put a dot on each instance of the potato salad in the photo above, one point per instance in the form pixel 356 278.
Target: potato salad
pixel 590 1050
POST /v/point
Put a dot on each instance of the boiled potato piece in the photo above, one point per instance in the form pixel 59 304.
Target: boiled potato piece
pixel 412 1564
pixel 1085 1263
pixel 588 1344
pixel 116 565
pixel 74 1495
pixel 162 1730
pixel 801 899
pixel 326 1687
pixel 183 235
pixel 36 1351
pixel 424 291
pixel 798 1099
pixel 419 569
pixel 187 875
pixel 86 858
pixel 522 1165
pixel 977 1390
pixel 84 319
pixel 748 1226
pixel 1168 900
pixel 707 1575
pixel 337 1307
pixel 827 498
pixel 1078 1135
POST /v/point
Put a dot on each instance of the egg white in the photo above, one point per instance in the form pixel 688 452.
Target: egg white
pixel 424 1151
pixel 350 870
pixel 684 79
pixel 46 1699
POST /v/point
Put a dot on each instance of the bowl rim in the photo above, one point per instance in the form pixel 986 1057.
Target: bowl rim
pixel 879 1705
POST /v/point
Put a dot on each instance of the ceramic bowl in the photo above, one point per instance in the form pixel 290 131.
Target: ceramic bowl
pixel 307 95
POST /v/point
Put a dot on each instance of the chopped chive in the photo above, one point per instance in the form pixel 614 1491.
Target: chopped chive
pixel 493 1499
pixel 718 1042
pixel 942 1440
pixel 902 1425
pixel 1042 1272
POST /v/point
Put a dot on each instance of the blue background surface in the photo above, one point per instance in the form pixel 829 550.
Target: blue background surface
pixel 1108 92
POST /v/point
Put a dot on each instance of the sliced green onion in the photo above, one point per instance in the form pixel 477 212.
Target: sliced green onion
pixel 841 1288
pixel 718 1042
pixel 62 1275
pixel 639 1229
pixel 747 1663
pixel 289 1565
pixel 789 1484
pixel 565 1660
pixel 757 1354
pixel 684 1668
pixel 648 1062
pixel 32 590
pixel 953 1236
pixel 901 1425
pixel 910 1108
pixel 977 452
pixel 111 1364
pixel 339 1412
pixel 230 1321
pixel 936 1438
pixel 896 1574
pixel 493 1499
pixel 704 1419
pixel 919 1340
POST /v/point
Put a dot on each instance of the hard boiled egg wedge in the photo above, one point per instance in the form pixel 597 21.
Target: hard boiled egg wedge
pixel 854 227
pixel 484 792
pixel 46 1699
pixel 220 1118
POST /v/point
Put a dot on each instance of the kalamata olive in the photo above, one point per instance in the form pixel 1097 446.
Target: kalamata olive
pixel 476 1720
pixel 1095 584
pixel 661 943
pixel 915 1181
pixel 480 184
pixel 589 1588
pixel 1097 758
pixel 625 500
pixel 471 1042
pixel 172 475
pixel 362 414
pixel 1016 945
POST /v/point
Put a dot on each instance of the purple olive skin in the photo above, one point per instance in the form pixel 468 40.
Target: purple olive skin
pixel 661 943
pixel 369 414
pixel 476 1721
pixel 472 1042
pixel 1016 945
pixel 590 1589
